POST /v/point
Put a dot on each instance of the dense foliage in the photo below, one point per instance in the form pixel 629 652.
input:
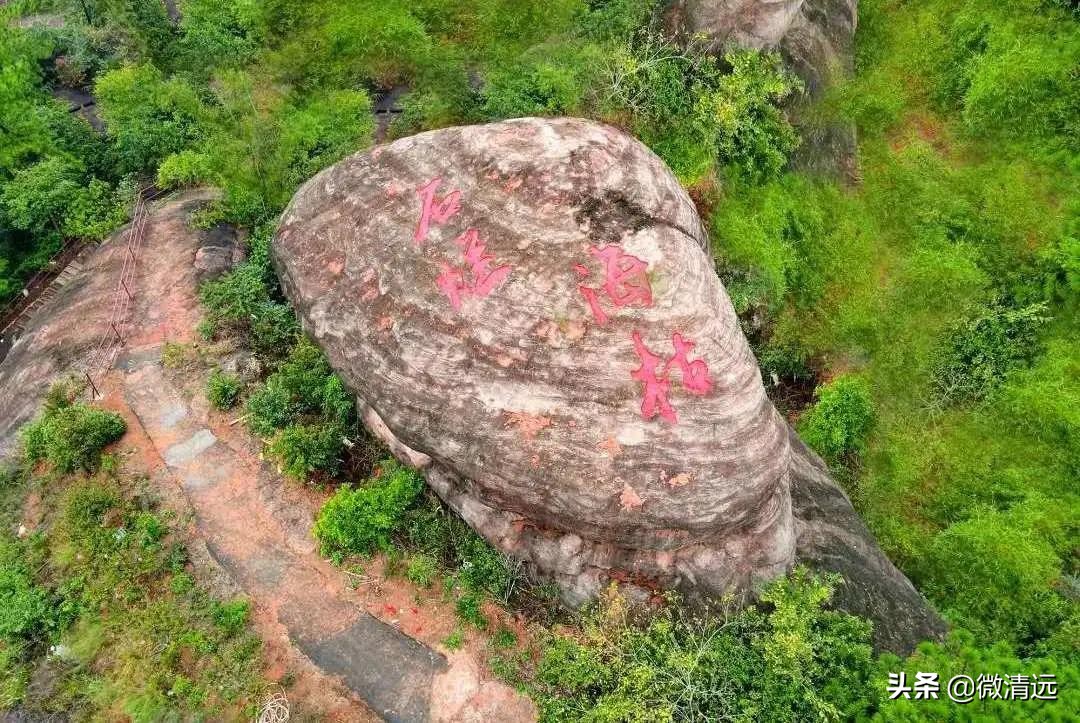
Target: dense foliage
pixel 391 513
pixel 941 292
pixel 361 521
pixel 790 661
pixel 70 435
pixel 931 299
pixel 99 616
pixel 223 389
pixel 58 178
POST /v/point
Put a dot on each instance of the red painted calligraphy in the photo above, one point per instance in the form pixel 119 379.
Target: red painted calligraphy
pixel 656 388
pixel 434 209
pixel 484 278
pixel 694 376
pixel 625 281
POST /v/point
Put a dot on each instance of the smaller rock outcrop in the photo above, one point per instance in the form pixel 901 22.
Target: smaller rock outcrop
pixel 815 39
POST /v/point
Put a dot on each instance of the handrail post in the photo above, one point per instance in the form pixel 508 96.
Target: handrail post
pixel 94 393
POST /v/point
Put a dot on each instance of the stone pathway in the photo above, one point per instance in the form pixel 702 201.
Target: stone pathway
pixel 251 532
pixel 389 670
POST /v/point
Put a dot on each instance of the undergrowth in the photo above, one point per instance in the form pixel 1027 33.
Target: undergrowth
pixel 100 617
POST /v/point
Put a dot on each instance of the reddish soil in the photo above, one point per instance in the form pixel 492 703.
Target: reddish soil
pixel 268 513
pixel 236 514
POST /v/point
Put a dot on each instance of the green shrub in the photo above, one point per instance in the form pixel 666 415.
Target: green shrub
pixel 504 638
pixel 696 112
pixel 838 424
pixel 186 168
pixel 422 570
pixel 996 578
pixel 794 661
pixel 469 607
pixel 216 34
pixel 223 390
pixel 71 436
pixel 960 654
pixel 160 646
pixel 983 351
pixel 148 116
pixel 270 408
pixel 244 301
pixel 361 521
pixel 546 81
pixel 304 449
pixel 231 616
pixel 475 566
pixel 26 610
pixel 454 640
pixel 303 391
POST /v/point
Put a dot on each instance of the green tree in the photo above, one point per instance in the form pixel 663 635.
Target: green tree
pixel 147 115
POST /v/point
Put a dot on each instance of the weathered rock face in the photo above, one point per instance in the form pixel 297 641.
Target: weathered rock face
pixel 526 313
pixel 815 38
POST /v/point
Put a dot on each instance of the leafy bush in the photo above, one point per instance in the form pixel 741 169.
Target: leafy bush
pixel 245 301
pixel 184 168
pixel 981 352
pixel 422 570
pixel 361 521
pixel 454 640
pixel 546 81
pixel 71 435
pixel 216 34
pixel 694 112
pixel 960 654
pixel 148 116
pixel 231 616
pixel 304 449
pixel 476 568
pixel 792 660
pixel 304 390
pixel 997 578
pixel 838 424
pixel 26 609
pixel 223 390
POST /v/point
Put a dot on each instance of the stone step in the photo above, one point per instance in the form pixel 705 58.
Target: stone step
pixel 389 670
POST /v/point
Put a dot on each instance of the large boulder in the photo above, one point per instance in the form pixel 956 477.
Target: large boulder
pixel 527 313
pixel 815 38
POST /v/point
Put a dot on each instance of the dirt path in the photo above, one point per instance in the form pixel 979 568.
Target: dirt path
pixel 372 643
pixel 344 649
pixel 297 588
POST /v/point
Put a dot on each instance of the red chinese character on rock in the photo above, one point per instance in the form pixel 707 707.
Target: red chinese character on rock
pixel 434 210
pixel 625 281
pixel 656 388
pixel 484 277
pixel 694 376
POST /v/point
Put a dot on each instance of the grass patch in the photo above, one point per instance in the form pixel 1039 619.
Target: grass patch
pixel 100 602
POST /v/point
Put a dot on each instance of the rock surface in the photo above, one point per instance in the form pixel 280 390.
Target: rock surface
pixel 65 334
pixel 526 312
pixel 814 36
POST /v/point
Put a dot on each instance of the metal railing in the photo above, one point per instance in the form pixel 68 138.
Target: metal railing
pixel 15 312
pixel 103 354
